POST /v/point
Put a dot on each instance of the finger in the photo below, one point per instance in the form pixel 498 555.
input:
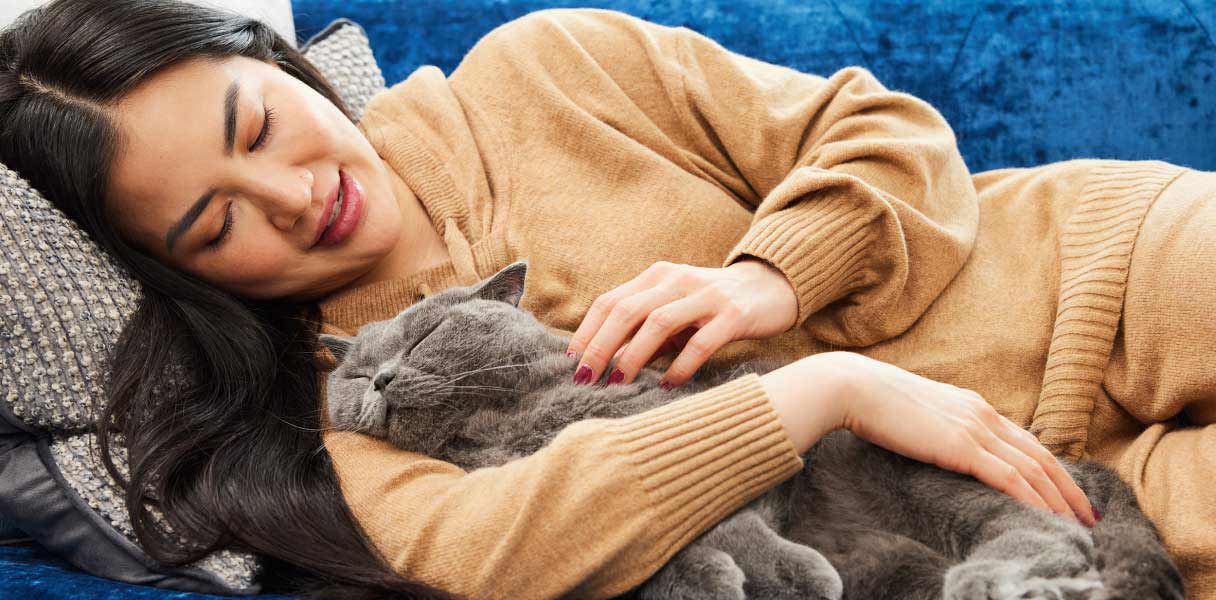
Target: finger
pixel 1034 474
pixel 603 306
pixel 673 343
pixel 1072 493
pixel 657 330
pixel 1003 477
pixel 713 335
pixel 676 342
pixel 624 319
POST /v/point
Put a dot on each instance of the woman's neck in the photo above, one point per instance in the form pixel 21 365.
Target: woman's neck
pixel 420 247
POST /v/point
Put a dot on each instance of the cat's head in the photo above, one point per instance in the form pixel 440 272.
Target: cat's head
pixel 415 378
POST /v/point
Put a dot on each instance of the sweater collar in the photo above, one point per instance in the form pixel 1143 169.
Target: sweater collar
pixel 419 128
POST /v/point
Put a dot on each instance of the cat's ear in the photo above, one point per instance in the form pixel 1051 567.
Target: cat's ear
pixel 506 285
pixel 337 344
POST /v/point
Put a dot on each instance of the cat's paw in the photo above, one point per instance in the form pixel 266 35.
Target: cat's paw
pixel 1147 577
pixel 696 573
pixel 991 579
pixel 795 572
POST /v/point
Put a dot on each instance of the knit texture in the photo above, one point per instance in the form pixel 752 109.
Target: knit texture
pixel 594 144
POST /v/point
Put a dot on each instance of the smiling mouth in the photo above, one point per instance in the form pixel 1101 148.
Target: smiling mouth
pixel 333 215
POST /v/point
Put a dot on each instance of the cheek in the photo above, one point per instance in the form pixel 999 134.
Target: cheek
pixel 257 265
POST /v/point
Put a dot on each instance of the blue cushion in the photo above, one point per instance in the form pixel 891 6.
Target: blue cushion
pixel 1023 82
pixel 30 572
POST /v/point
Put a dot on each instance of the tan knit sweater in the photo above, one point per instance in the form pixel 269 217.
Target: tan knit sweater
pixel 593 144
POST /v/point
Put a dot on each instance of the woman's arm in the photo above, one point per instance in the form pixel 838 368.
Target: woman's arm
pixel 593 513
pixel 860 195
pixel 608 501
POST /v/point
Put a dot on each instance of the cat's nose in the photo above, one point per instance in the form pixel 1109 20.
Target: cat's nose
pixel 382 380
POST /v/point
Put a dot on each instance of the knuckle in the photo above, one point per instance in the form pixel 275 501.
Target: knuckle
pixel 595 355
pixel 628 309
pixel 731 310
pixel 603 303
pixel 1010 476
pixel 1038 476
pixel 699 348
pixel 685 278
pixel 974 426
pixel 661 320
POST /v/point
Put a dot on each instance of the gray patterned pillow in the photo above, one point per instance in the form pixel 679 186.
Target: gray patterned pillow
pixel 62 303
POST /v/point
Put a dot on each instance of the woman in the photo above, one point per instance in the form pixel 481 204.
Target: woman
pixel 662 189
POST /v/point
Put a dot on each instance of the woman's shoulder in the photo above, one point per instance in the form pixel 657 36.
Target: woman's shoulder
pixel 562 41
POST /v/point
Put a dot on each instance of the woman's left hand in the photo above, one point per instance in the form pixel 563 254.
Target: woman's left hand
pixel 673 305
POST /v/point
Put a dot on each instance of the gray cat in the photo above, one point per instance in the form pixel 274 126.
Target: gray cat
pixel 468 377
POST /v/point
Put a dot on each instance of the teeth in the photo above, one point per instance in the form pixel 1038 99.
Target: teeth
pixel 337 209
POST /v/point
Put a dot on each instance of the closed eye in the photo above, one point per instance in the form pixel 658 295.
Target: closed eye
pixel 428 334
pixel 264 134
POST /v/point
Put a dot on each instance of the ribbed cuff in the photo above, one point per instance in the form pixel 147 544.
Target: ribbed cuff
pixel 1095 251
pixel 701 458
pixel 820 246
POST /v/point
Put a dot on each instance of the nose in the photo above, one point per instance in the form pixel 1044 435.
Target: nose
pixel 285 199
pixel 382 380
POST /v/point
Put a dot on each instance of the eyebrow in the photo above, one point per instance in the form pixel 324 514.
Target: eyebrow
pixel 192 214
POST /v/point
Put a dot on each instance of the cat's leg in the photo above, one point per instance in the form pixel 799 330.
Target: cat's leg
pixel 696 572
pixel 1130 557
pixel 880 564
pixel 775 568
pixel 1026 553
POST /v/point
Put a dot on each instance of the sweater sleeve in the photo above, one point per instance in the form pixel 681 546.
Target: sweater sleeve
pixel 1169 467
pixel 859 194
pixel 595 512
pixel 1161 374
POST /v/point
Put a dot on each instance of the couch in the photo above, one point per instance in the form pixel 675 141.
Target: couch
pixel 1023 82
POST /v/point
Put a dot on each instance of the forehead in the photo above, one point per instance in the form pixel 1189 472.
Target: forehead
pixel 170 128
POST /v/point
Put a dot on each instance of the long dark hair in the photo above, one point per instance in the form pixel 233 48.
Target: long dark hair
pixel 233 456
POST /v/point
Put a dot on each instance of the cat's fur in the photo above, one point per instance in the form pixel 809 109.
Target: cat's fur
pixel 468 377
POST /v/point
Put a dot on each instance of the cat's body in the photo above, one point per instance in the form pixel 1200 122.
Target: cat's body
pixel 467 377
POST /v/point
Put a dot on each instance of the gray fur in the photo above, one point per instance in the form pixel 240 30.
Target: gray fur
pixel 468 377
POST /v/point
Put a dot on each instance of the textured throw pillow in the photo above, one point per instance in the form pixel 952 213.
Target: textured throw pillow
pixel 62 304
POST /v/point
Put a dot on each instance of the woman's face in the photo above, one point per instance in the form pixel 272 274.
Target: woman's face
pixel 182 155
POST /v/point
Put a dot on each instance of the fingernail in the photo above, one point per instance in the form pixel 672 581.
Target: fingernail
pixel 1097 515
pixel 665 385
pixel 616 377
pixel 569 354
pixel 582 375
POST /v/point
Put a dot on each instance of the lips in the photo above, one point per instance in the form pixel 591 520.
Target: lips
pixel 327 210
pixel 349 210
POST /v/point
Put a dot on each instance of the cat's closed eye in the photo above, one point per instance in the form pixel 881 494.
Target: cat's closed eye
pixel 423 337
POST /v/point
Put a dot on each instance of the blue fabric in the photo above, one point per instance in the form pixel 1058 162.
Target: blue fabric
pixel 1022 82
pixel 29 573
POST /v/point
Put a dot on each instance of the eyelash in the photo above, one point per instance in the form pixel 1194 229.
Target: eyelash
pixel 223 230
pixel 263 138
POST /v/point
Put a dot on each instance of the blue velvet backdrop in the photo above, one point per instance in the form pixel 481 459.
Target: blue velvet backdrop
pixel 1022 82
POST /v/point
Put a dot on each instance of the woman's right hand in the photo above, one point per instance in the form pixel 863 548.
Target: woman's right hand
pixel 926 420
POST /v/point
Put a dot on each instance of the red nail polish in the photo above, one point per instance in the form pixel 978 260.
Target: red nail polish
pixel 1097 515
pixel 583 375
pixel 665 385
pixel 616 377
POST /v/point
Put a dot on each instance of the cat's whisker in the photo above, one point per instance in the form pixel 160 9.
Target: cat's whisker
pixel 493 368
pixel 505 359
